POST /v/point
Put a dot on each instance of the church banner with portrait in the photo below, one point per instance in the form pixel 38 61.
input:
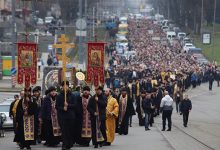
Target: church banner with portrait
pixel 27 63
pixel 95 66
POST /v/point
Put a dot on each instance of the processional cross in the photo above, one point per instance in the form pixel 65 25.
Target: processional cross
pixel 63 40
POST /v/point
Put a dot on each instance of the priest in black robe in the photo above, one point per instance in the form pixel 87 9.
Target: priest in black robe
pixel 25 118
pixel 49 119
pixel 126 110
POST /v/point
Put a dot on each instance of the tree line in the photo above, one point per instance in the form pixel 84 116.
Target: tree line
pixel 187 13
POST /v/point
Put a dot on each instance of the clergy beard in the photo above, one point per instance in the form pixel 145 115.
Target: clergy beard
pixel 86 96
pixel 107 95
pixel 53 97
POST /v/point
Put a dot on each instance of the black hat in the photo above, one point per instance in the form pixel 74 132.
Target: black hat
pixel 143 92
pixel 67 83
pixel 99 88
pixel 35 89
pixel 124 89
pixel 47 92
pixel 52 88
pixel 38 88
pixel 86 88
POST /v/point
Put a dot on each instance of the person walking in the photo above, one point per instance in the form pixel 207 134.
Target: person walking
pixel 166 107
pixel 147 106
pixel 185 108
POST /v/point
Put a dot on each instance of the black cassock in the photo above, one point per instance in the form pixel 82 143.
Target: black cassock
pixel 79 124
pixel 102 103
pixel 67 118
pixel 19 136
pixel 46 110
pixel 139 111
pixel 123 127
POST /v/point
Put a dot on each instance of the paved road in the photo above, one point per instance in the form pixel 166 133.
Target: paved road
pixel 203 132
pixel 4 95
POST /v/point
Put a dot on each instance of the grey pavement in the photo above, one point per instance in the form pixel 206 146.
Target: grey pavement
pixel 202 133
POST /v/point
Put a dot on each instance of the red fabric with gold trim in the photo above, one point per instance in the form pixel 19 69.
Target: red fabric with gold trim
pixel 96 61
pixel 27 63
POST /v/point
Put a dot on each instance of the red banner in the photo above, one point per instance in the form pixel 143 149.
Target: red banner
pixel 95 67
pixel 27 63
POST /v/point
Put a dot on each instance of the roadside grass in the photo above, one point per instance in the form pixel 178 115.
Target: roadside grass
pixel 212 51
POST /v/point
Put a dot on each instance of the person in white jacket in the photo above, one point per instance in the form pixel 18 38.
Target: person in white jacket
pixel 166 107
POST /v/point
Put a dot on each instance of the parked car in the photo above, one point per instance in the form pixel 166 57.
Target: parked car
pixel 4 110
pixel 165 28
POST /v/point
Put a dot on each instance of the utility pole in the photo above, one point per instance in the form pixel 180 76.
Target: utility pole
pixel 213 31
pixel 80 48
pixel 13 37
pixel 202 16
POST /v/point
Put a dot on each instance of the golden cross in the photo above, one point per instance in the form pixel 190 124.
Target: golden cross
pixel 63 40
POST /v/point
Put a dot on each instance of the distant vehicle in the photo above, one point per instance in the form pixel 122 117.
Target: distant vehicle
pixel 48 20
pixel 121 38
pixel 138 16
pixel 186 40
pixel 176 29
pixel 181 35
pixel 123 29
pixel 40 21
pixel 4 109
pixel 130 54
pixel 110 24
pixel 121 47
pixel 187 46
pixel 165 28
pixel 171 35
pixel 123 20
pixel 195 50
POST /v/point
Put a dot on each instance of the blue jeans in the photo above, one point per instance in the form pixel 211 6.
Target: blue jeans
pixel 146 120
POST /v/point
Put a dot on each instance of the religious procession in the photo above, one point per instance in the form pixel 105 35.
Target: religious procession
pixel 89 107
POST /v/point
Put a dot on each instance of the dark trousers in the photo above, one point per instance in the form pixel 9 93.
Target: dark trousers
pixel 67 130
pixel 102 128
pixel 167 116
pixel 141 119
pixel 130 121
pixel 218 83
pixel 185 118
pixel 177 106
pixel 210 85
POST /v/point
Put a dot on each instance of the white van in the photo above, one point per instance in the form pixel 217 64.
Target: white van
pixel 171 35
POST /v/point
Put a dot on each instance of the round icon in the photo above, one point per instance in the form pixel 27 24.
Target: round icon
pixel 81 24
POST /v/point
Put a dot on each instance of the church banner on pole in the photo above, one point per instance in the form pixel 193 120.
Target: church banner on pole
pixel 95 66
pixel 27 63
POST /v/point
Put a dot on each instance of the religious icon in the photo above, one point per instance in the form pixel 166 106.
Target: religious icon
pixel 96 58
pixel 27 58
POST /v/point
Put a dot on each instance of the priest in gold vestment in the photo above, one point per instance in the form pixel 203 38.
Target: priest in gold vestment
pixel 111 116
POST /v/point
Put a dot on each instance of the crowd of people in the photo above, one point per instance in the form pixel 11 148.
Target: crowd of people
pixel 146 84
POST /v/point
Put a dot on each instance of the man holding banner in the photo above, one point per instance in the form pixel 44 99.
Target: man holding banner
pixel 97 109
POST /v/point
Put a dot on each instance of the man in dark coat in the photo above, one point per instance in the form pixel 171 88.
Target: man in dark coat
pixel 146 105
pixel 185 108
pixel 139 108
pixel 25 118
pixel 97 109
pixel 49 118
pixel 66 115
pixel 83 122
pixel 211 80
pixel 126 109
